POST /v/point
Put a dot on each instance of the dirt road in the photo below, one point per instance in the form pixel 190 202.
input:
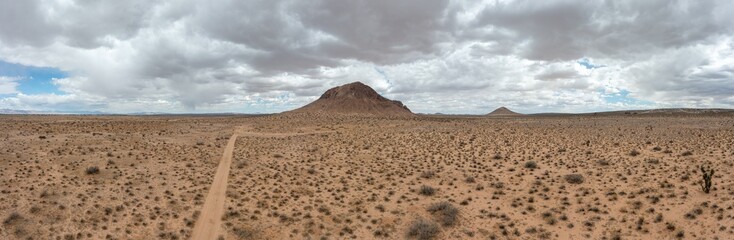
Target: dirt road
pixel 208 226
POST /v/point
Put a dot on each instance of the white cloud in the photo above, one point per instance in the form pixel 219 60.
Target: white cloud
pixel 8 85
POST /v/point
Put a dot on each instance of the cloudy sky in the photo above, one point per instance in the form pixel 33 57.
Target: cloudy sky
pixel 434 55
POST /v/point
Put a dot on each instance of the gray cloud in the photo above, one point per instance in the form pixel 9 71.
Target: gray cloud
pixel 86 24
pixel 216 55
pixel 551 30
pixel 23 23
pixel 83 24
pixel 554 75
pixel 568 30
pixel 295 36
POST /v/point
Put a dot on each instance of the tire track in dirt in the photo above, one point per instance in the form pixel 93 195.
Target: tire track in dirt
pixel 209 224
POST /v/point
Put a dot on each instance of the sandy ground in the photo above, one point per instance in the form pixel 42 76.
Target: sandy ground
pixel 153 175
pixel 291 177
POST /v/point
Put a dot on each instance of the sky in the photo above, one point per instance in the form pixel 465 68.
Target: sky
pixel 436 56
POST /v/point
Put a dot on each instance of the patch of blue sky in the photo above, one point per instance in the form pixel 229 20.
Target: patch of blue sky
pixel 623 96
pixel 33 80
pixel 585 62
pixel 384 75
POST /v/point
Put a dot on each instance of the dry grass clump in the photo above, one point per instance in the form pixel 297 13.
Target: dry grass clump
pixel 574 178
pixel 243 233
pixel 12 218
pixel 634 153
pixel 446 213
pixel 92 170
pixel 428 174
pixel 427 190
pixel 423 229
pixel 470 179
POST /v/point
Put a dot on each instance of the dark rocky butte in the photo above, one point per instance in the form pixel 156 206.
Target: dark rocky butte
pixel 355 98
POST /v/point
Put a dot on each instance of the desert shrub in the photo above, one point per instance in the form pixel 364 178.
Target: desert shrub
pixel 669 226
pixel 470 179
pixel 12 218
pixel 574 178
pixel 380 208
pixel 34 209
pixel 242 233
pixel 446 213
pixel 616 236
pixel 241 165
pixel 92 170
pixel 531 165
pixel 549 219
pixel 380 233
pixel 422 229
pixel 428 174
pixel 427 190
pixel 634 152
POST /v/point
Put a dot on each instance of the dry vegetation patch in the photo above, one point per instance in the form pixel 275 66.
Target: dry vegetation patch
pixel 338 177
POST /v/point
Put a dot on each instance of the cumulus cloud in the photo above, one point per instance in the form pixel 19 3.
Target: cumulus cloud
pixel 8 85
pixel 435 55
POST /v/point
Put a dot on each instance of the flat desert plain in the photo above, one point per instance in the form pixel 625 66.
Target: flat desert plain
pixel 294 176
